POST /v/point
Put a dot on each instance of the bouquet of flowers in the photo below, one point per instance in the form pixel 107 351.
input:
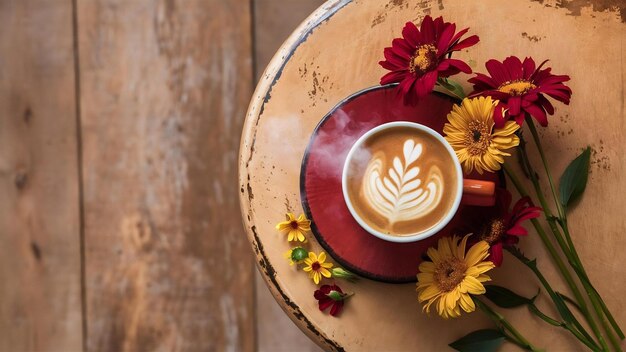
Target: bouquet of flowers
pixel 485 128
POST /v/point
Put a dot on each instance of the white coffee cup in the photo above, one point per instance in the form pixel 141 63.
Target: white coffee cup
pixel 483 188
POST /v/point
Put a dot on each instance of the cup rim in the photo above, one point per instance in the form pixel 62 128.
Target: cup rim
pixel 417 236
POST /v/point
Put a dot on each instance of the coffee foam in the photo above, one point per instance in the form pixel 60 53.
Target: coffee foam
pixel 399 194
pixel 408 184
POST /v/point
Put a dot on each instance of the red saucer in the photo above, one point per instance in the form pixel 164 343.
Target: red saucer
pixel 322 198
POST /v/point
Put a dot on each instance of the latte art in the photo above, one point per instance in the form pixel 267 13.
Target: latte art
pixel 401 181
pixel 400 194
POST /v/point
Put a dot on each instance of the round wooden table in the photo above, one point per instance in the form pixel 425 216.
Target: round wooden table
pixel 335 53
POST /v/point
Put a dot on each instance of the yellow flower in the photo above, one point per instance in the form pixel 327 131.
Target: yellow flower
pixel 295 228
pixel 316 267
pixel 472 135
pixel 296 255
pixel 287 256
pixel 452 276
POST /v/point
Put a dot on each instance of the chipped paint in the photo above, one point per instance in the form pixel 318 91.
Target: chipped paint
pixel 600 159
pixel 576 7
pixel 532 38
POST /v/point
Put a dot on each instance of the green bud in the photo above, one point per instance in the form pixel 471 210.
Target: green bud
pixel 335 295
pixel 338 296
pixel 299 254
pixel 342 273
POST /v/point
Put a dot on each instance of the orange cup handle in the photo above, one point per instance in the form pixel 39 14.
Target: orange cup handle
pixel 478 192
pixel 479 188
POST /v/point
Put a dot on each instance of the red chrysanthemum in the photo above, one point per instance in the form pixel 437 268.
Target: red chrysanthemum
pixel 520 88
pixel 331 296
pixel 506 229
pixel 418 58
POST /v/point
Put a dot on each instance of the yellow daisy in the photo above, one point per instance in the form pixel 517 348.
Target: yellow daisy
pixel 448 280
pixel 295 228
pixel 471 133
pixel 316 267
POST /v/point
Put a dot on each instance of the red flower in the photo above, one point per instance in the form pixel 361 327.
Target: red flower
pixel 331 296
pixel 506 229
pixel 419 58
pixel 520 88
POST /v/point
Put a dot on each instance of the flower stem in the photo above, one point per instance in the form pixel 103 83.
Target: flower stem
pixel 572 324
pixel 584 339
pixel 549 246
pixel 533 309
pixel 542 200
pixel 569 249
pixel 512 340
pixel 594 296
pixel 516 337
pixel 533 131
pixel 606 311
pixel 592 293
pixel 558 261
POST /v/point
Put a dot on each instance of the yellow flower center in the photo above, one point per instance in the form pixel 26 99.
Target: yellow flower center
pixel 516 88
pixel 493 232
pixel 294 225
pixel 316 266
pixel 477 138
pixel 424 59
pixel 450 273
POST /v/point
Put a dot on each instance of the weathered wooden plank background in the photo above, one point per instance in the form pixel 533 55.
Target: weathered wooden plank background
pixel 40 281
pixel 119 131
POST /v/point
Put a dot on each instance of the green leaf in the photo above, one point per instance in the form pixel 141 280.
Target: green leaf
pixel 567 315
pixel 487 340
pixel 574 179
pixel 563 309
pixel 505 298
pixel 452 86
pixel 569 300
pixel 562 305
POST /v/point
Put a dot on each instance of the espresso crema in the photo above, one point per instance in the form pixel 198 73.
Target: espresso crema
pixel 402 181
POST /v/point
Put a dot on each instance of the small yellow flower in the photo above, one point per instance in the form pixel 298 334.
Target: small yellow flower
pixel 296 255
pixel 316 267
pixel 471 133
pixel 287 256
pixel 295 228
pixel 448 280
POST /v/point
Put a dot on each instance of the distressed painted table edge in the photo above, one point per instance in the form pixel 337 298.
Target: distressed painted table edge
pixel 261 96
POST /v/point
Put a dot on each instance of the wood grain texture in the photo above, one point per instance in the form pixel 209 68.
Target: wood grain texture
pixel 335 52
pixel 164 88
pixel 40 303
pixel 274 20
